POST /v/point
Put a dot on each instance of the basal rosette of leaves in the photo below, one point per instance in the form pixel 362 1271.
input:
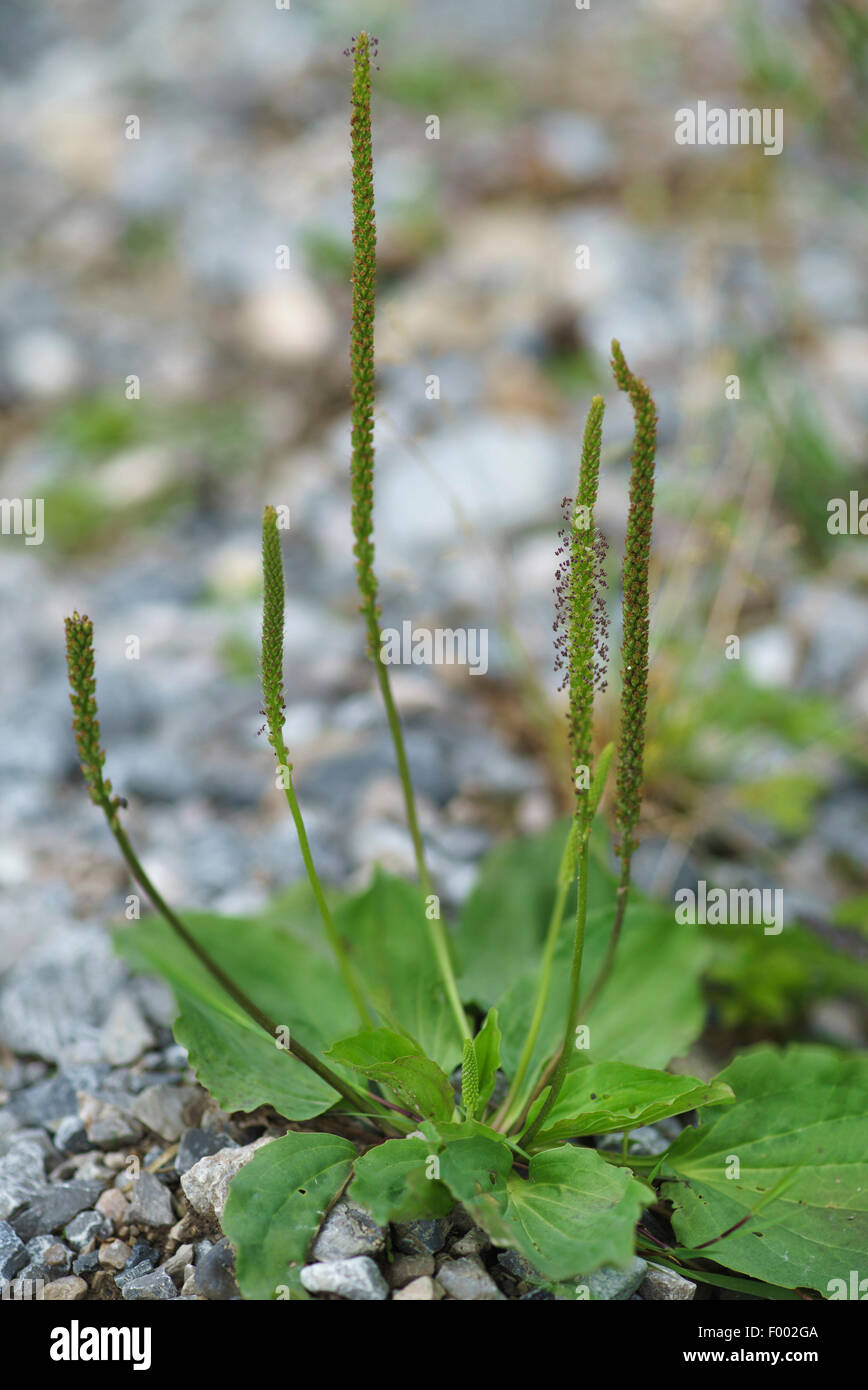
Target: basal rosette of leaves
pixel 559 998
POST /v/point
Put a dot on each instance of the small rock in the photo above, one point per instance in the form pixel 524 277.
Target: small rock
pixel 176 1265
pixel 520 1268
pixel 87 1226
pixel 114 1206
pixel 421 1290
pixel 46 1102
pixel 164 1109
pixel 86 1264
pixel 106 1124
pixel 421 1237
pixel 358 1279
pixel 48 1258
pixel 199 1143
pixel 13 1252
pixel 348 1230
pixel 664 1284
pixel 125 1035
pixel 215 1272
pixel 190 1289
pixel 150 1203
pixel 468 1280
pixel 154 1286
pixel 474 1242
pixel 67 1289
pixel 611 1285
pixel 114 1254
pixel 405 1268
pixel 142 1253
pixel 55 1206
pixel 22 1175
pixel 206 1184
pixel 71 1136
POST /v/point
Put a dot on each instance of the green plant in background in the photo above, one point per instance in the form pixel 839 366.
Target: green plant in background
pixel 476 1069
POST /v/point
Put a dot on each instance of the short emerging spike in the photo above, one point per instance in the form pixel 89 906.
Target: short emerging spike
pixel 469 1079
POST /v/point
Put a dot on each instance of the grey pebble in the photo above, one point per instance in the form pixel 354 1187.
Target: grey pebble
pixel 164 1108
pixel 54 1206
pixel 87 1226
pixel 348 1230
pixel 13 1252
pixel 48 1257
pixel 150 1203
pixel 662 1284
pixel 86 1264
pixel 611 1285
pixel 48 1101
pixel 357 1279
pixel 199 1143
pixel 215 1272
pixel 22 1175
pixel 71 1136
pixel 421 1237
pixel 150 1287
pixel 468 1279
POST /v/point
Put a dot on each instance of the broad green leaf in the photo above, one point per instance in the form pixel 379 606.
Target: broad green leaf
pixel 475 1166
pixel 397 1181
pixel 276 1205
pixel 397 1062
pixel 504 919
pixel 240 1067
pixel 387 935
pixel 487 1047
pixel 657 967
pixel 605 1096
pixel 801 1115
pixel 232 1057
pixel 573 1213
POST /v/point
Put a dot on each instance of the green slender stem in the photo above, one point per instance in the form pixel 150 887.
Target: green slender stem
pixel 435 927
pixel 273 605
pixel 573 1004
pixel 364 281
pixel 509 1109
pixel 609 959
pixel 348 974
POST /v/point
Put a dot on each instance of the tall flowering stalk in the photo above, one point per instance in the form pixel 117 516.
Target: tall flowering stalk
pixel 273 707
pixel 634 645
pixel 364 280
pixel 581 631
pixel 581 620
pixel 82 681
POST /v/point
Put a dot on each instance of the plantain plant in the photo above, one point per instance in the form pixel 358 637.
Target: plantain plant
pixel 471 1062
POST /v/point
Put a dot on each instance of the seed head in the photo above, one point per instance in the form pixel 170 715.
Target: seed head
pixel 362 335
pixel 272 632
pixel 634 646
pixel 581 617
pixel 85 724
